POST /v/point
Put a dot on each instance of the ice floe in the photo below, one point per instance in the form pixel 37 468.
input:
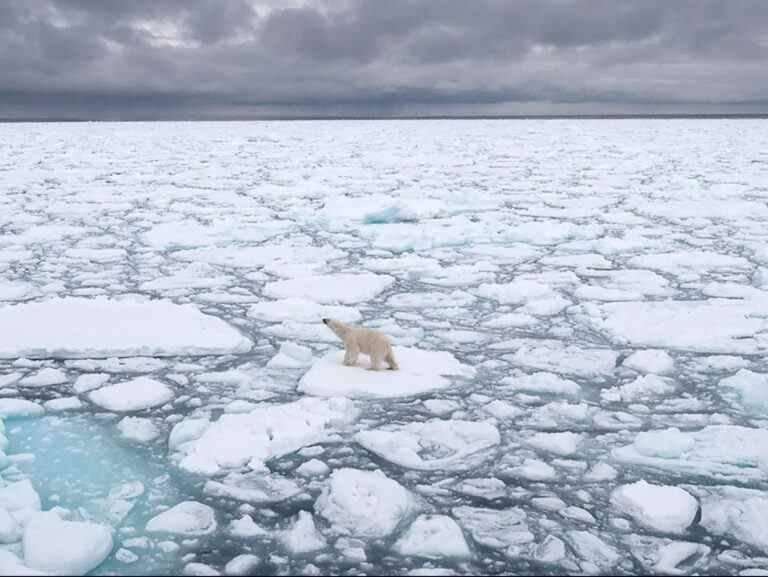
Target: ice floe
pixel 434 445
pixel 100 327
pixel 364 504
pixel 421 371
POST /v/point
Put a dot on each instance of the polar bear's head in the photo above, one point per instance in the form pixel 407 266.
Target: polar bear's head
pixel 337 327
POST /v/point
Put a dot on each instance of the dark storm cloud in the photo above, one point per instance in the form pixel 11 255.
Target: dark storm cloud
pixel 227 57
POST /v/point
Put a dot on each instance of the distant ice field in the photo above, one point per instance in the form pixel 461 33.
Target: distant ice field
pixel 579 309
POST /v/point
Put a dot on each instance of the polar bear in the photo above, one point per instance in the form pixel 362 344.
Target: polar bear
pixel 357 340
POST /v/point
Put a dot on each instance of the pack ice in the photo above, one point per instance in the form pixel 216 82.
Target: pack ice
pixel 578 308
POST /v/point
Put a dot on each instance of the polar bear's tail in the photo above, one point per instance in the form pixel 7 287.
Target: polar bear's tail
pixel 390 358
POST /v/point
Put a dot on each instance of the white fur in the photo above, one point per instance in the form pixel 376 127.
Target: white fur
pixel 358 340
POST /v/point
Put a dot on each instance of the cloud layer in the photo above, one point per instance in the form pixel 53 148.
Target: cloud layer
pixel 197 58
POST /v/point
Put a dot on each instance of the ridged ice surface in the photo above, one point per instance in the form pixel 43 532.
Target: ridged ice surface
pixel 595 294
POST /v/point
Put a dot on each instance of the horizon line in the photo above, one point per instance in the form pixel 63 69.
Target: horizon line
pixel 309 117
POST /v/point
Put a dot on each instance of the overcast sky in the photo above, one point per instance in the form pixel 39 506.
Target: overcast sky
pixel 209 58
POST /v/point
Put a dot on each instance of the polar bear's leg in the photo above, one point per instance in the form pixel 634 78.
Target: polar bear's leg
pixel 351 353
pixel 375 359
pixel 390 358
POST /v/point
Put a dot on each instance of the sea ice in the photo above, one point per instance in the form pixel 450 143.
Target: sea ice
pixel 434 445
pixel 364 504
pixel 65 547
pixel 433 537
pixel 650 361
pixel 188 519
pixel 269 431
pixel 748 390
pixel 341 288
pixel 657 507
pixel 420 372
pixel 495 528
pixel 291 356
pixel 303 537
pixel 44 378
pixel 16 408
pixel 716 451
pixel 138 429
pixel 301 310
pixel 100 327
pixel 134 395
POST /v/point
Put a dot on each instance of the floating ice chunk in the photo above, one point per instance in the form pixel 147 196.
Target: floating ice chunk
pixel 533 470
pixel 738 513
pixel 516 292
pixel 656 507
pixel 138 429
pixel 433 537
pixel 44 378
pixel 301 310
pixel 489 489
pixel 313 468
pixel 578 514
pixel 199 570
pixel 189 519
pixel 253 487
pixel 510 320
pixel 600 472
pixel 663 556
pixel 441 406
pixel 303 537
pixel 690 264
pixel 748 390
pixel 134 395
pixel 246 528
pixel 711 326
pixel 434 445
pixel 126 556
pixel 242 565
pixel 63 404
pixel 596 555
pixel 99 327
pixel 542 382
pixel 6 380
pixel 269 431
pixel 714 363
pixel 642 388
pixel 650 361
pixel 559 443
pixel 431 300
pixel 595 261
pixel 502 410
pixel 555 356
pixel 559 415
pixel 291 356
pixel 717 451
pixel 420 372
pixel 495 528
pixel 364 504
pixel 17 408
pixel 85 383
pixel 272 257
pixel 65 547
pixel 341 288
pixel 20 499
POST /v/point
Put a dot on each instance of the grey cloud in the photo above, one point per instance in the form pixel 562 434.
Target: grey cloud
pixel 141 56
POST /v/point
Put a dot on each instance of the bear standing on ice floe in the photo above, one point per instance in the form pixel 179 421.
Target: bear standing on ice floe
pixel 373 343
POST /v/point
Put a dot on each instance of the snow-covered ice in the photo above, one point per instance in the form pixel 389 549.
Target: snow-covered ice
pixel 434 445
pixel 420 372
pixel 659 508
pixel 134 395
pixel 580 324
pixel 100 327
pixel 364 504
